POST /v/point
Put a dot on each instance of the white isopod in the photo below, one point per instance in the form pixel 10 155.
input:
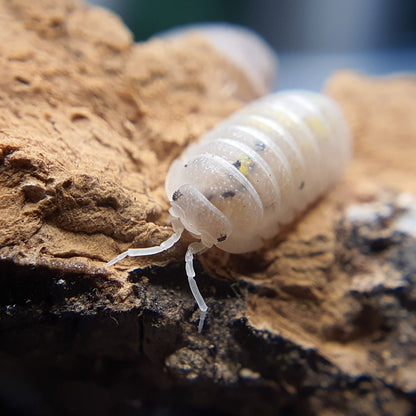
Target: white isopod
pixel 253 173
pixel 240 45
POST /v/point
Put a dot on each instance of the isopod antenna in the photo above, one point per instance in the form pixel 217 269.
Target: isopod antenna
pixel 193 249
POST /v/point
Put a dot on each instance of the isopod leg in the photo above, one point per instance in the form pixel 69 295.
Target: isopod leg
pixel 147 251
pixel 190 272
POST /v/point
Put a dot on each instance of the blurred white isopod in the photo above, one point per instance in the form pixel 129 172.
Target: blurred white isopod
pixel 253 173
pixel 240 45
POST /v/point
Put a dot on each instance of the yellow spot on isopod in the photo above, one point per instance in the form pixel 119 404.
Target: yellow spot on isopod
pixel 282 118
pixel 245 164
pixel 318 128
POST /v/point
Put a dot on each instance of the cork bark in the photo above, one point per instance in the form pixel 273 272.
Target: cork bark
pixel 320 321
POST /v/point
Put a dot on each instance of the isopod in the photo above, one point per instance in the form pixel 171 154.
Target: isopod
pixel 240 45
pixel 253 173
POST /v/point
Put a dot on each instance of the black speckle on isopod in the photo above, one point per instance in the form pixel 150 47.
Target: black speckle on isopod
pixel 237 164
pixel 228 194
pixel 222 238
pixel 302 185
pixel 260 146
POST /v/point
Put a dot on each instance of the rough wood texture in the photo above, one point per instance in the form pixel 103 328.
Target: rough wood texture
pixel 89 125
pixel 321 321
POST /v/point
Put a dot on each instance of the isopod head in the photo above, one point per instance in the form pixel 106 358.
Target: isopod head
pixel 199 216
pixel 225 213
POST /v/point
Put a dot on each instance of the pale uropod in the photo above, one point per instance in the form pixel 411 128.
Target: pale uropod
pixel 253 173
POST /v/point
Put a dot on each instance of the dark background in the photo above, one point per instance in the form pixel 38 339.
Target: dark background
pixel 311 37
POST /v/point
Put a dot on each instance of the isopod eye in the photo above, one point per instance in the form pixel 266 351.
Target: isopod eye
pixel 176 195
pixel 199 216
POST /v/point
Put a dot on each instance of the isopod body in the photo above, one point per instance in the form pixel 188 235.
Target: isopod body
pixel 259 168
pixel 240 45
pixel 254 172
